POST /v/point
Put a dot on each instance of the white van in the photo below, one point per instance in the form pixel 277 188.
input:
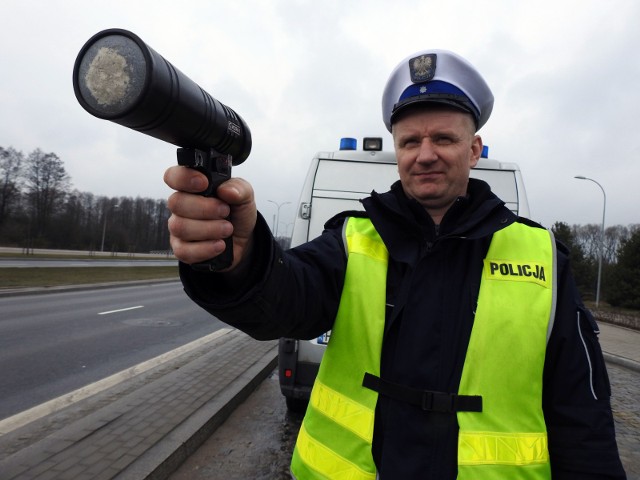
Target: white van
pixel 335 182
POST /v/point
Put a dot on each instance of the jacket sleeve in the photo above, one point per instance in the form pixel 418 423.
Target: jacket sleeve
pixel 576 397
pixel 293 293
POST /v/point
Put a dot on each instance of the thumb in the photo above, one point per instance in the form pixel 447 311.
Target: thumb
pixel 238 194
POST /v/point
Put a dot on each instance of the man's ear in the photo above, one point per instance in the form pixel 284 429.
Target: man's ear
pixel 476 150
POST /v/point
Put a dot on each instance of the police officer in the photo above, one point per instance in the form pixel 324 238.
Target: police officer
pixel 460 347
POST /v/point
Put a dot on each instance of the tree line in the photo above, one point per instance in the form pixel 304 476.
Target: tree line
pixel 40 209
pixel 620 278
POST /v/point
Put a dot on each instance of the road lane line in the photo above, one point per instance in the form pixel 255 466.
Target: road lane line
pixel 120 310
pixel 23 418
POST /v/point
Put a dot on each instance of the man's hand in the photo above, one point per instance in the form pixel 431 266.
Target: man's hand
pixel 198 224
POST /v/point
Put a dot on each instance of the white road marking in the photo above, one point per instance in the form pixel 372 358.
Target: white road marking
pixel 120 310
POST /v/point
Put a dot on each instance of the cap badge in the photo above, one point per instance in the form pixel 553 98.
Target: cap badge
pixel 422 68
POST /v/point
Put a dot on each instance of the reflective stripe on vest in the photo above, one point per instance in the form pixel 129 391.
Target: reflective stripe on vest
pixel 336 433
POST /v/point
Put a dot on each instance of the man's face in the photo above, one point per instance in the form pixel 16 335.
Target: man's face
pixel 435 149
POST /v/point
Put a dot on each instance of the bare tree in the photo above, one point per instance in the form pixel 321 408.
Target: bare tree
pixel 614 237
pixel 588 238
pixel 47 184
pixel 161 234
pixel 625 279
pixel 10 171
pixel 36 192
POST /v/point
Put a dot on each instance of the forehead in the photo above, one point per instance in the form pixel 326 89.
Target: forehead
pixel 421 117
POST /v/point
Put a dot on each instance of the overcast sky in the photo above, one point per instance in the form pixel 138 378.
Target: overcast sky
pixel 302 74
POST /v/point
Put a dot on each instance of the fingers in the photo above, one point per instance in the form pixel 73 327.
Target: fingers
pixel 196 252
pixel 193 230
pixel 198 225
pixel 185 179
pixel 234 191
pixel 197 207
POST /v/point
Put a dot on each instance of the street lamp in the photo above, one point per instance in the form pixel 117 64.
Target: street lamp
pixel 604 209
pixel 279 205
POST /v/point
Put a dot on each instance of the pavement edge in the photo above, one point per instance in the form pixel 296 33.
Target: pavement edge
pixel 159 462
pixel 621 361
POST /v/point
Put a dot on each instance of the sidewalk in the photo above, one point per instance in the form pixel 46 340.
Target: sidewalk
pixel 620 345
pixel 146 426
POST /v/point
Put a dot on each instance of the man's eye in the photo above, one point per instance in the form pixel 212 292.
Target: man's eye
pixel 444 140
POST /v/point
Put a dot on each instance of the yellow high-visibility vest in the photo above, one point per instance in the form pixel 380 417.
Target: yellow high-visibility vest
pixel 506 353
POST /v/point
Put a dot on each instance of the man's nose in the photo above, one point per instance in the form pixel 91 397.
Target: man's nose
pixel 427 152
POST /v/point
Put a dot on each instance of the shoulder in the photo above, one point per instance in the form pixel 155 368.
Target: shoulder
pixel 529 222
pixel 561 247
pixel 338 220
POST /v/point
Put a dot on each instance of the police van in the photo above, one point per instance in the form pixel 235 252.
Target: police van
pixel 335 182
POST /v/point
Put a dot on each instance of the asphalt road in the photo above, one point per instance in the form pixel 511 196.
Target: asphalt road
pixel 56 343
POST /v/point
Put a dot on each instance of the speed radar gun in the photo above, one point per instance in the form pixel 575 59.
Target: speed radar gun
pixel 118 77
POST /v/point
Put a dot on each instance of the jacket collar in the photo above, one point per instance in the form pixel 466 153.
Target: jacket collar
pixel 405 226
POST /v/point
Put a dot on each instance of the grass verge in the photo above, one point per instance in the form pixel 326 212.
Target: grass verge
pixel 52 277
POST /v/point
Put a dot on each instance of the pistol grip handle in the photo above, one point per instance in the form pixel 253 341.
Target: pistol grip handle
pixel 217 168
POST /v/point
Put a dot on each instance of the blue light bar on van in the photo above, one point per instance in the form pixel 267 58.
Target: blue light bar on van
pixel 485 151
pixel 348 143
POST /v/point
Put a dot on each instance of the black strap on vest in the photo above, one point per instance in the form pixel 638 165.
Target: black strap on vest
pixel 425 399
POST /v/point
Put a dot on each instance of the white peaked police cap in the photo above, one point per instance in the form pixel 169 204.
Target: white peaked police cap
pixel 437 76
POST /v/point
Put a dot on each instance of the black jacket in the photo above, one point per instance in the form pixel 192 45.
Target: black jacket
pixel 432 290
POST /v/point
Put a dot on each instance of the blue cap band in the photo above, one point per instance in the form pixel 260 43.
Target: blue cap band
pixel 437 92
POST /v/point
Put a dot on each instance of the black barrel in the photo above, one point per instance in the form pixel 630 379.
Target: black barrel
pixel 118 77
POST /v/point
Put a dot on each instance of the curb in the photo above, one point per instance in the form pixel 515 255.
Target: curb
pixel 621 361
pixel 164 459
